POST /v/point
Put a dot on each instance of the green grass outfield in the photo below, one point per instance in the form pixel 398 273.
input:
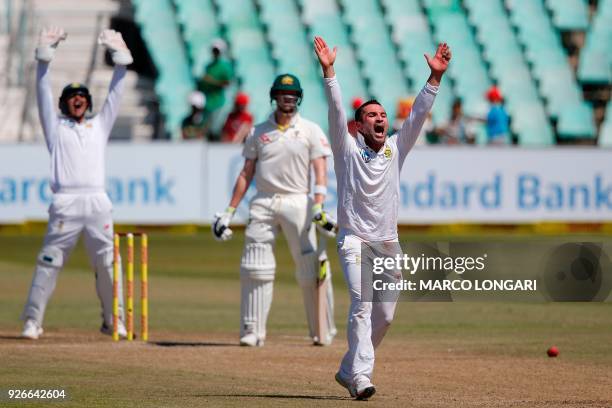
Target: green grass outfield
pixel 194 307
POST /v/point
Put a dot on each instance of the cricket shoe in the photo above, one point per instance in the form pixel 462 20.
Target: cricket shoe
pixel 108 330
pixel 251 340
pixel 346 384
pixel 365 390
pixel 31 330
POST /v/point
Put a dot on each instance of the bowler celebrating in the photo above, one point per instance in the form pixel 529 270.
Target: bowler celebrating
pixel 77 146
pixel 367 171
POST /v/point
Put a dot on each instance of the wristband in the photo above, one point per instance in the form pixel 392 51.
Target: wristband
pixel 122 57
pixel 45 53
pixel 230 209
pixel 320 189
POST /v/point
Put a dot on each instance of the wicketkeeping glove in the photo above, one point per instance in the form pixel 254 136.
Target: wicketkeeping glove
pixel 324 222
pixel 113 40
pixel 220 226
pixel 48 40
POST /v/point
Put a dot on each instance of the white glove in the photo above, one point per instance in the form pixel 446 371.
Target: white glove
pixel 48 40
pixel 113 40
pixel 324 222
pixel 220 226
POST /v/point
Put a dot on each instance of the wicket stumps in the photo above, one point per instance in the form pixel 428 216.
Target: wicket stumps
pixel 144 285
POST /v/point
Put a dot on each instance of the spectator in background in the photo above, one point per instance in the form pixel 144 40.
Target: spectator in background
pixel 238 122
pixel 194 125
pixel 404 107
pixel 217 76
pixel 352 124
pixel 457 129
pixel 497 119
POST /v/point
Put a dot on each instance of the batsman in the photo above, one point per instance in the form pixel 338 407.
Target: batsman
pixel 77 145
pixel 279 153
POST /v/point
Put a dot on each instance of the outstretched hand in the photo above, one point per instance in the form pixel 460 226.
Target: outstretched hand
pixel 439 62
pixel 48 41
pixel 51 36
pixel 326 56
pixel 113 40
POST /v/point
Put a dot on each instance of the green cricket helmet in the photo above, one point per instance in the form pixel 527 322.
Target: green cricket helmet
pixel 287 83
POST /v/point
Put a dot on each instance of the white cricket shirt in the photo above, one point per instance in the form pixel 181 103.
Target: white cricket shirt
pixel 77 149
pixel 284 155
pixel 368 181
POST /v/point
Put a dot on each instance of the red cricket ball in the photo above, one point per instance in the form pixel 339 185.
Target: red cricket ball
pixel 553 351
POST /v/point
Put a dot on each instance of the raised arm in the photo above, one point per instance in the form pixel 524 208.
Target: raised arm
pixel 47 43
pixel 121 57
pixel 338 129
pixel 411 128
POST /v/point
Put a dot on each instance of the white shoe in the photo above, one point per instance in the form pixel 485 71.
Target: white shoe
pixel 346 384
pixel 251 340
pixel 364 389
pixel 108 330
pixel 31 330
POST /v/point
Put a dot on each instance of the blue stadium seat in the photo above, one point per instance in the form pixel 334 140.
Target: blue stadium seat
pixel 293 53
pixel 323 18
pixel 200 27
pixel 250 51
pixel 576 122
pixel 549 66
pixel 375 52
pixel 468 70
pixel 569 15
pixel 595 64
pixel 161 33
pixel 605 133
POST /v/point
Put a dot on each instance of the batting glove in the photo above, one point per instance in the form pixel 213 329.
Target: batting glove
pixel 220 226
pixel 324 222
pixel 48 40
pixel 113 40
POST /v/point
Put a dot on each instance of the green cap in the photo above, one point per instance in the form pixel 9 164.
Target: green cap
pixel 286 83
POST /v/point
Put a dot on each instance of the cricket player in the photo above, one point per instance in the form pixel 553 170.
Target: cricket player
pixel 279 153
pixel 367 170
pixel 77 145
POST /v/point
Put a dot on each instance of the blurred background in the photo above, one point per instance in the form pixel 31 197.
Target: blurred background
pixel 549 59
pixel 534 74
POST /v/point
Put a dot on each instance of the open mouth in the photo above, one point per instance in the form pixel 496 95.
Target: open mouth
pixel 379 128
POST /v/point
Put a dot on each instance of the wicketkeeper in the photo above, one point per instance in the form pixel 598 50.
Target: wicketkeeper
pixel 77 145
pixel 279 153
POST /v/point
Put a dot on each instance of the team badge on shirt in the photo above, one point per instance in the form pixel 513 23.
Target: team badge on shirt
pixel 265 138
pixel 387 152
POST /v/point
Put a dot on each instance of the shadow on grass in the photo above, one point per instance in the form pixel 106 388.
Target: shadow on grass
pixel 192 344
pixel 280 396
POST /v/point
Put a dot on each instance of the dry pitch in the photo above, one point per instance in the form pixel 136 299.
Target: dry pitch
pixel 436 354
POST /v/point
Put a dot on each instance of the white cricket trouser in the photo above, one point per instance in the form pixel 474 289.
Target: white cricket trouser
pixel 367 321
pixel 268 212
pixel 69 215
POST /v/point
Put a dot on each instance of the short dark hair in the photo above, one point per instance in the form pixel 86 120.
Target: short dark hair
pixel 363 105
